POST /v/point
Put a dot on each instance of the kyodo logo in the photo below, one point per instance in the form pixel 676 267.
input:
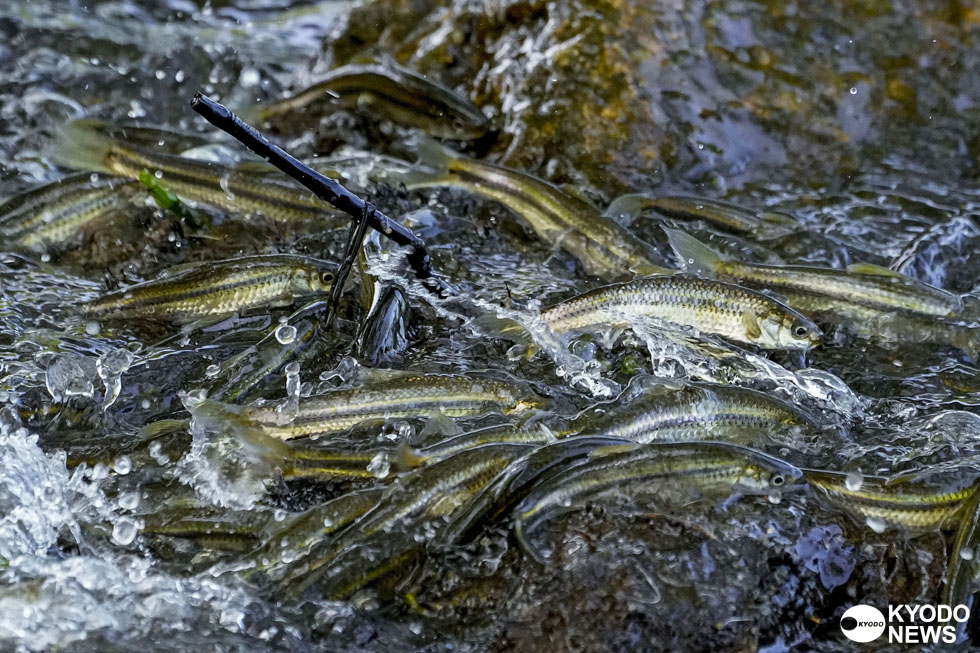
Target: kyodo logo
pixel 862 623
pixel 906 624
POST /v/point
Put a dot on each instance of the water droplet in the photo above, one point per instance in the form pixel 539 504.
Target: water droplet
pixel 158 174
pixel 285 334
pixel 129 500
pixel 853 482
pixel 124 531
pixel 123 465
pixel 380 466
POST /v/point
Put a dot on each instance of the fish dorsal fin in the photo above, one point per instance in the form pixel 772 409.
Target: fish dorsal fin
pixel 694 255
pixel 876 270
pixel 574 191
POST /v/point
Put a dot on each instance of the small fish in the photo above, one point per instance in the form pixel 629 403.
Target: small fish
pixel 402 397
pixel 665 471
pixel 240 376
pixel 432 492
pixel 246 189
pixel 721 214
pixel 712 307
pixel 217 289
pixel 298 534
pixel 963 568
pixel 52 218
pixel 917 505
pixel 333 464
pixel 873 300
pixel 409 458
pixel 696 411
pixel 389 91
pixel 220 529
pixel 566 221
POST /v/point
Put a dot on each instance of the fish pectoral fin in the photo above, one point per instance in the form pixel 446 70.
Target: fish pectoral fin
pixel 876 270
pixel 751 323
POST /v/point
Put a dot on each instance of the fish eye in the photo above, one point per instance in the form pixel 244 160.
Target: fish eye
pixel 326 277
pixel 778 480
pixel 801 331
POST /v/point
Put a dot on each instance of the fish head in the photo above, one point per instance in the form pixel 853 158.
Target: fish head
pixel 787 329
pixel 458 120
pixel 767 475
pixel 313 280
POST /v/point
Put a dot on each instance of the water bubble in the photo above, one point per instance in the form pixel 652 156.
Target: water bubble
pixel 65 377
pixel 158 174
pixel 94 177
pixel 415 627
pixel 99 472
pixel 854 91
pixel 179 76
pixel 212 370
pixel 285 334
pixel 967 553
pixel 124 531
pixel 380 466
pixel 93 328
pixel 853 482
pixel 45 258
pixel 145 404
pixel 123 465
pixel 129 500
pixel 279 514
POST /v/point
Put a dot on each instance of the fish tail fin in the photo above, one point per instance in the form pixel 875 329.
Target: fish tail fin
pixel 507 329
pixel 631 205
pixel 162 427
pixel 694 255
pixel 83 145
pixel 431 167
pixel 227 420
pixel 521 535
pixel 408 457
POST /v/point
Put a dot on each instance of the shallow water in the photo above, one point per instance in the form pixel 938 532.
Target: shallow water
pixel 860 122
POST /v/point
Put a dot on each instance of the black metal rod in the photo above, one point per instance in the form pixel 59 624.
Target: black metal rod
pixel 329 190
